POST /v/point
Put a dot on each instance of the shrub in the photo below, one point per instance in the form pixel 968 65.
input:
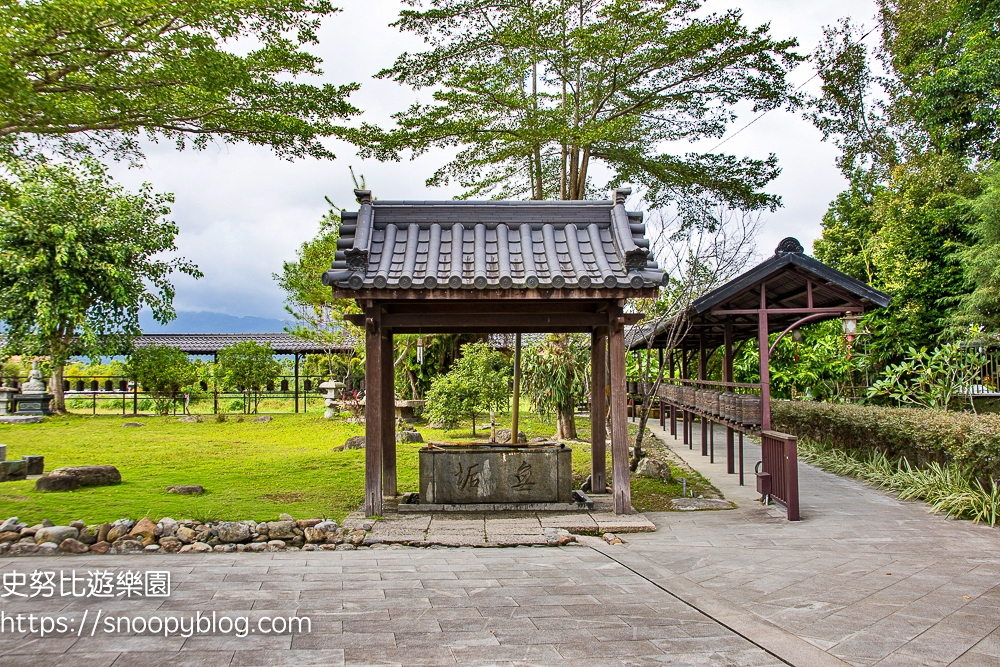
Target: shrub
pixel 949 489
pixel 921 436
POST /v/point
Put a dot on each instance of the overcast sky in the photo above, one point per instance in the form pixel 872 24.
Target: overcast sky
pixel 242 211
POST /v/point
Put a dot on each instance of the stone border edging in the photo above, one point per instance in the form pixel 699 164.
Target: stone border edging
pixel 776 641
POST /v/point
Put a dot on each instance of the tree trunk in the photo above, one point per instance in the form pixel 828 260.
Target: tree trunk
pixel 566 423
pixel 56 389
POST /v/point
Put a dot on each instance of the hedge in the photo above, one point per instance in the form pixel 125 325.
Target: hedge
pixel 919 435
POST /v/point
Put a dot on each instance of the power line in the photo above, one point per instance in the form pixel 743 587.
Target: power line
pixel 713 149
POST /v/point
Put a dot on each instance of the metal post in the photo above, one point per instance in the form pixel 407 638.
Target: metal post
pixel 297 384
pixel 741 458
pixel 515 410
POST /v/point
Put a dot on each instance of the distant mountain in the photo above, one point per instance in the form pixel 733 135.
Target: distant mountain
pixel 204 322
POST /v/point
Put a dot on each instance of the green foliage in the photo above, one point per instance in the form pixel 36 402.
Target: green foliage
pixel 96 74
pixel 533 94
pixel 162 371
pixel 79 258
pixel 816 369
pixel 318 317
pixel 930 379
pixel 905 238
pixel 981 260
pixel 556 377
pixel 476 384
pixel 921 436
pixel 247 367
pixel 949 489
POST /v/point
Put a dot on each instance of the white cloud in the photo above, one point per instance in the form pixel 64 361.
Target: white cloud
pixel 242 211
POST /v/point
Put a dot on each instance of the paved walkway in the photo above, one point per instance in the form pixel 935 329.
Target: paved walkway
pixel 864 576
pixel 863 580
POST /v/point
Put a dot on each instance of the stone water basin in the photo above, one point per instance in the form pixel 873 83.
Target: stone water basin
pixel 486 473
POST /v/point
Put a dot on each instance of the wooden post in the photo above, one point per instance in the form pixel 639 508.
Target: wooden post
pixel 619 418
pixel 727 376
pixel 791 463
pixel 388 416
pixel 598 427
pixel 685 374
pixel 515 410
pixel 373 410
pixel 659 376
pixel 765 368
pixel 703 375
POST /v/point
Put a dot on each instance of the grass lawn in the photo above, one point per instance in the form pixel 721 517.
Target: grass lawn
pixel 249 471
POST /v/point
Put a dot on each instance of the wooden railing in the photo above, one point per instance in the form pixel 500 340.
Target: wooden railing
pixel 779 475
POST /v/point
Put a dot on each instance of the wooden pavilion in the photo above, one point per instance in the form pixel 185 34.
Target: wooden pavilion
pixel 493 267
pixel 779 295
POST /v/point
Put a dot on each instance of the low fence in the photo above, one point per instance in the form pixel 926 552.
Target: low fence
pixel 779 474
pixel 101 394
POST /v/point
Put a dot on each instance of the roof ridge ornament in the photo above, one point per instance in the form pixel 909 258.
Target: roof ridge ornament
pixel 619 195
pixel 363 196
pixel 789 246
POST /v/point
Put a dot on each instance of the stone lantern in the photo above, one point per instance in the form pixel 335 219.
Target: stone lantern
pixel 332 390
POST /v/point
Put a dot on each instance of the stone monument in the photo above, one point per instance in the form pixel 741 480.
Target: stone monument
pixel 6 393
pixel 33 399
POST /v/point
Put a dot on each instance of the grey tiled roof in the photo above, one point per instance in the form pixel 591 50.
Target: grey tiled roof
pixel 281 343
pixel 492 244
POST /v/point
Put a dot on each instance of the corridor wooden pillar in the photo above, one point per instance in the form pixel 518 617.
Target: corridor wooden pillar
pixel 598 408
pixel 727 376
pixel 765 366
pixel 659 376
pixel 374 424
pixel 673 409
pixel 388 411
pixel 686 439
pixel 619 416
pixel 702 375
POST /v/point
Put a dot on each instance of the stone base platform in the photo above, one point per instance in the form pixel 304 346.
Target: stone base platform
pixel 20 419
pixel 495 529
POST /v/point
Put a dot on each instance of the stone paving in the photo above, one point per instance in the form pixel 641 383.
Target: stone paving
pixel 864 579
pixel 484 529
pixel 396 606
pixel 868 578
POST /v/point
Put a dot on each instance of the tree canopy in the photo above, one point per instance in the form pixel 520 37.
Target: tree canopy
pixel 534 92
pixel 475 384
pixel 247 367
pixel 79 258
pixel 162 371
pixel 98 74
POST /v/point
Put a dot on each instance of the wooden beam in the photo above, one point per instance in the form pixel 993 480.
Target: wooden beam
pixel 487 321
pixel 373 411
pixel 598 410
pixel 619 419
pixel 388 410
pixel 596 293
pixel 790 311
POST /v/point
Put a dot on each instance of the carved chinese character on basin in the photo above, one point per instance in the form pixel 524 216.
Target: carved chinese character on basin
pixel 469 473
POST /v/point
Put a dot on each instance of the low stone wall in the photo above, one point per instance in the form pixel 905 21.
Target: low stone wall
pixel 126 536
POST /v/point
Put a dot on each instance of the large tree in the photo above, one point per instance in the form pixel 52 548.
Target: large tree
pixel 97 74
pixel 79 258
pixel 535 92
